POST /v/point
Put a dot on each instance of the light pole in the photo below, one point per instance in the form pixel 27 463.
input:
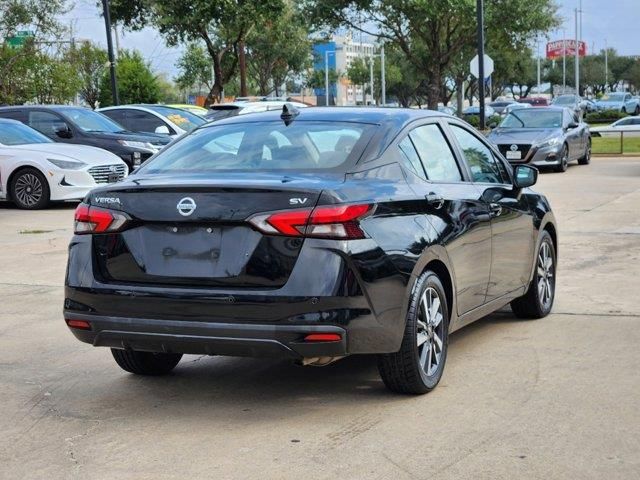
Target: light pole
pixel 371 78
pixel 383 80
pixel 112 62
pixel 577 52
pixel 480 13
pixel 564 60
pixel 606 65
pixel 538 47
pixel 326 76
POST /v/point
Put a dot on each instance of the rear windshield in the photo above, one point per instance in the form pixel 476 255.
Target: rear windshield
pixel 261 146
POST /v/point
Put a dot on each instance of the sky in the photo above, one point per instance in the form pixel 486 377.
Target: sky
pixel 616 22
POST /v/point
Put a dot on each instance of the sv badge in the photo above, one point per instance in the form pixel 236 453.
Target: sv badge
pixel 297 201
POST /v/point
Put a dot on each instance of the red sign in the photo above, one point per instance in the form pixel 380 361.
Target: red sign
pixel 568 47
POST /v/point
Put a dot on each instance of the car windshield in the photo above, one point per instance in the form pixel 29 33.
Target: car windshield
pixel 613 97
pixel 260 146
pixel 564 100
pixel 90 121
pixel 185 120
pixel 532 118
pixel 19 134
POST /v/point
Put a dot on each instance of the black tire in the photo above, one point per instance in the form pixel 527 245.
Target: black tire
pixel 586 159
pixel 564 160
pixel 535 303
pixel 416 368
pixel 29 189
pixel 637 110
pixel 624 110
pixel 146 363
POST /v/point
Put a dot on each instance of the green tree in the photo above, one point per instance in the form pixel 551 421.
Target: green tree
pixel 221 25
pixel 195 69
pixel 358 73
pixel 278 51
pixel 136 81
pixel 18 66
pixel 432 34
pixel 90 63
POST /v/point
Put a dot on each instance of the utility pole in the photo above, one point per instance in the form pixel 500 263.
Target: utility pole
pixel 480 13
pixel 538 46
pixel 383 80
pixel 577 59
pixel 564 60
pixel 326 78
pixel 371 79
pixel 112 63
pixel 606 65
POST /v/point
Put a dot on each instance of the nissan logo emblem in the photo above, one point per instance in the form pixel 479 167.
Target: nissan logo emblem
pixel 186 206
pixel 513 148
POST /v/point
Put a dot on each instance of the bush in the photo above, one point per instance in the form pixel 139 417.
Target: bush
pixel 604 116
pixel 474 120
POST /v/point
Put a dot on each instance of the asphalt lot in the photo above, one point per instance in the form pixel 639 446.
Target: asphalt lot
pixel 555 398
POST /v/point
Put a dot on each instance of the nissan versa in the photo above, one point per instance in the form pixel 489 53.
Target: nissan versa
pixel 311 234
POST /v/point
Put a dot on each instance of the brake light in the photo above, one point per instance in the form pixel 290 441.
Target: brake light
pixel 328 221
pixel 323 337
pixel 90 219
pixel 81 324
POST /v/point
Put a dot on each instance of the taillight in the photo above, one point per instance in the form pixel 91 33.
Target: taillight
pixel 328 221
pixel 90 219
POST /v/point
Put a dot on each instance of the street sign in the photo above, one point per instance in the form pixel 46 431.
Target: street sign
pixel 18 40
pixel 475 67
pixel 555 49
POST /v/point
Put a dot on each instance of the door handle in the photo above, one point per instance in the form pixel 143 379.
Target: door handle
pixel 436 199
pixel 495 209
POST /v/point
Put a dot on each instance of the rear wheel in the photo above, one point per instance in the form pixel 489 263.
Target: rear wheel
pixel 637 110
pixel 146 363
pixel 586 160
pixel 538 300
pixel 29 189
pixel 564 160
pixel 417 367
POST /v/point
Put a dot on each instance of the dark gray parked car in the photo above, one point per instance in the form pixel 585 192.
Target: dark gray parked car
pixel 548 136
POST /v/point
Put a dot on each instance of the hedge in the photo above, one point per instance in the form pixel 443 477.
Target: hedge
pixel 604 116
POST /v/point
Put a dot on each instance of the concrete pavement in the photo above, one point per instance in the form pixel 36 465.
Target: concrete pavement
pixel 554 398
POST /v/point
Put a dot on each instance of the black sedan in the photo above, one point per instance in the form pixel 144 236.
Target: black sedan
pixel 545 137
pixel 311 235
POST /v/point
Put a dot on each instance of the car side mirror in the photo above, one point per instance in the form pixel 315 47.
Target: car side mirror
pixel 572 125
pixel 63 131
pixel 162 130
pixel 493 125
pixel 525 176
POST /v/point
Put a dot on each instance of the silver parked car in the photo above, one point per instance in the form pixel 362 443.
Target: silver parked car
pixel 546 137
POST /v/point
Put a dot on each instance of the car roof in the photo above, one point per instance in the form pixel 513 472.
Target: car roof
pixel 10 120
pixel 550 108
pixel 396 117
pixel 45 107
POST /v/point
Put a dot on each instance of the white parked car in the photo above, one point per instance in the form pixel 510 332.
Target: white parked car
pixel 629 125
pixel 224 110
pixel 159 119
pixel 34 170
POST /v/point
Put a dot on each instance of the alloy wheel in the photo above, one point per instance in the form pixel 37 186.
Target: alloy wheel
pixel 430 331
pixel 546 275
pixel 28 189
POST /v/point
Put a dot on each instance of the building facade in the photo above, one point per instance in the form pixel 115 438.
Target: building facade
pixel 339 53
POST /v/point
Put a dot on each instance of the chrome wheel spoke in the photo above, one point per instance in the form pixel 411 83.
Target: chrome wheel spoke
pixel 437 343
pixel 422 338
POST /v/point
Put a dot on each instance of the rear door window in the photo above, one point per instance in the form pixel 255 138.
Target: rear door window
pixel 436 155
pixel 46 123
pixel 146 122
pixel 412 160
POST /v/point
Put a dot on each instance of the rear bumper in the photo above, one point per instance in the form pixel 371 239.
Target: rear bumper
pixel 174 336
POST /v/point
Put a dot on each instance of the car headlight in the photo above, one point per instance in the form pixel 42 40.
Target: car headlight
pixel 67 164
pixel 552 142
pixel 135 144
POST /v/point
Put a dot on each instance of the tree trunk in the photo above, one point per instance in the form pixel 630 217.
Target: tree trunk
pixel 242 65
pixel 218 83
pixel 434 84
pixel 459 95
